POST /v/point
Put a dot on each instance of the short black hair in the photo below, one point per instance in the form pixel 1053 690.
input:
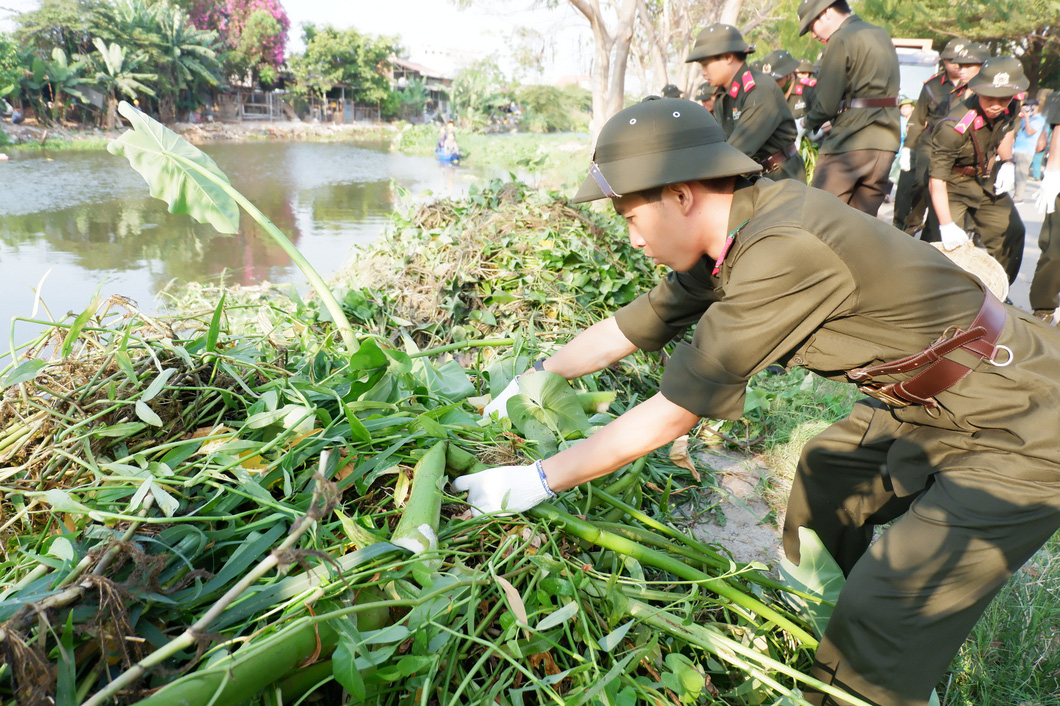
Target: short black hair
pixel 842 6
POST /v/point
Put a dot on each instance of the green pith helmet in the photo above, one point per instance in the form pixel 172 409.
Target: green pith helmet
pixel 671 91
pixel 705 92
pixel 779 63
pixel 806 67
pixel 810 10
pixel 971 53
pixel 656 142
pixel 718 39
pixel 953 48
pixel 1000 77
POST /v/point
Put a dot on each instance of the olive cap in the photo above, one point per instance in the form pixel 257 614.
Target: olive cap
pixel 1000 77
pixel 718 39
pixel 671 91
pixel 953 48
pixel 706 92
pixel 810 10
pixel 806 67
pixel 779 63
pixel 656 142
pixel 971 53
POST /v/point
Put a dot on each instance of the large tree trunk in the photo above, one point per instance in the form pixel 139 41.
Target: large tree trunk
pixel 611 52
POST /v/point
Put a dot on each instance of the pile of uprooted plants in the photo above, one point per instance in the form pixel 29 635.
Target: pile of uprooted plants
pixel 227 504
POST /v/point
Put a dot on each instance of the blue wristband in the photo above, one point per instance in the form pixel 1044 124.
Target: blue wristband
pixel 544 481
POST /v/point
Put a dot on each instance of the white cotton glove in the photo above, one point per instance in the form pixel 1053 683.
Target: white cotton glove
pixel 504 489
pixel 499 404
pixel 953 236
pixel 800 130
pixel 1048 191
pixel 1006 179
pixel 905 159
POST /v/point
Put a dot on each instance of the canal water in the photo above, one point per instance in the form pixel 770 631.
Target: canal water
pixel 74 223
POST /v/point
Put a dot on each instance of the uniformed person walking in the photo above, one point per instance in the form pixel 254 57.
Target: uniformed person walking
pixel 854 105
pixel 959 452
pixel 750 106
pixel 972 172
pixel 911 198
pixel 1045 285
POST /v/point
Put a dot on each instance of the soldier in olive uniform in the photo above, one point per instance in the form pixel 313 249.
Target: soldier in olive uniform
pixel 1045 286
pixel 805 80
pixel 750 106
pixel 672 91
pixel 781 65
pixel 959 452
pixel 854 105
pixel 968 190
pixel 911 199
pixel 706 95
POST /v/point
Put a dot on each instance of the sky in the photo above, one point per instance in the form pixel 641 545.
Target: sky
pixel 438 34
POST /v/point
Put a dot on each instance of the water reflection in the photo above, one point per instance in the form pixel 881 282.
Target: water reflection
pixel 89 217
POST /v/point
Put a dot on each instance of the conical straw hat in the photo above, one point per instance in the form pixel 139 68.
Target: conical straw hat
pixel 979 263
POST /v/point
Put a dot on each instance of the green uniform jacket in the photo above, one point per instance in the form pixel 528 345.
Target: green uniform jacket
pixel 859 61
pixel 756 120
pixel 934 102
pixel 800 94
pixel 951 146
pixel 809 281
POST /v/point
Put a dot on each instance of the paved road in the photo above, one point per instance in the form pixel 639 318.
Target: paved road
pixel 1020 289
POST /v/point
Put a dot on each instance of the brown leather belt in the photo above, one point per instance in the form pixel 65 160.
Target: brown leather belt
pixel 966 171
pixel 775 160
pixel 868 103
pixel 939 373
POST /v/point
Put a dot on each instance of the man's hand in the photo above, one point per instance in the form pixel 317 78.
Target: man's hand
pixel 1006 179
pixel 499 404
pixel 905 159
pixel 1048 191
pixel 953 236
pixel 505 489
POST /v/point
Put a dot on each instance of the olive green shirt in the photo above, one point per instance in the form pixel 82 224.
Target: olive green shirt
pixel 952 146
pixel 932 105
pixel 800 94
pixel 809 281
pixel 756 120
pixel 859 61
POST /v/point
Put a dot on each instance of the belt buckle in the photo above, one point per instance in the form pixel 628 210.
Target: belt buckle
pixel 883 395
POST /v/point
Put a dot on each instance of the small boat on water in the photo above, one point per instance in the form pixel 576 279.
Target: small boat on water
pixel 446 157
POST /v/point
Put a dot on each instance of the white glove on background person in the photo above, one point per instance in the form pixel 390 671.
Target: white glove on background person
pixel 905 159
pixel 1006 179
pixel 1048 191
pixel 499 404
pixel 504 489
pixel 953 236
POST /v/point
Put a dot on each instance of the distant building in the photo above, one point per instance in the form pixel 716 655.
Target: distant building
pixel 437 84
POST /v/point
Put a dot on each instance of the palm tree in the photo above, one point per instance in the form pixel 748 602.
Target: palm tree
pixel 120 77
pixel 190 62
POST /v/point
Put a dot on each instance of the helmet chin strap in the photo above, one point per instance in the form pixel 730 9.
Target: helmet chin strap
pixel 598 177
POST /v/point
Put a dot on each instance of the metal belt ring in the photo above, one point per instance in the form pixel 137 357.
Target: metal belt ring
pixel 993 358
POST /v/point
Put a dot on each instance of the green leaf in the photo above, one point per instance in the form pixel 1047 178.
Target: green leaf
pixel 614 638
pixel 548 399
pixel 817 573
pixel 24 372
pixel 66 681
pixel 146 414
pixel 79 323
pixel 157 384
pixel 177 172
pixel 215 324
pixel 343 662
pixel 558 617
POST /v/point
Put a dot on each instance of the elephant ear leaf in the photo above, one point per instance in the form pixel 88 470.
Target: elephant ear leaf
pixel 176 171
pixel 547 399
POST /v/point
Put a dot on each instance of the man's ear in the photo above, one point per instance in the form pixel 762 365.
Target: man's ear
pixel 683 195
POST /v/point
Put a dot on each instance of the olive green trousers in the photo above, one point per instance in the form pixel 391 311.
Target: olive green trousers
pixel 861 178
pixel 1045 286
pixel 999 226
pixel 913 595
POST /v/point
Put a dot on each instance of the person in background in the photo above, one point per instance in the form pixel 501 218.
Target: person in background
pixel 706 95
pixel 854 107
pixel 1028 133
pixel 936 96
pixel 1045 285
pixel 781 65
pixel 972 172
pixel 750 107
pixel 672 91
pixel 905 109
pixel 959 466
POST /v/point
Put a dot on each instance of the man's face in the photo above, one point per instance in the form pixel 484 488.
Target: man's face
pixel 657 228
pixel 825 25
pixel 719 70
pixel 953 71
pixel 993 107
pixel 967 72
